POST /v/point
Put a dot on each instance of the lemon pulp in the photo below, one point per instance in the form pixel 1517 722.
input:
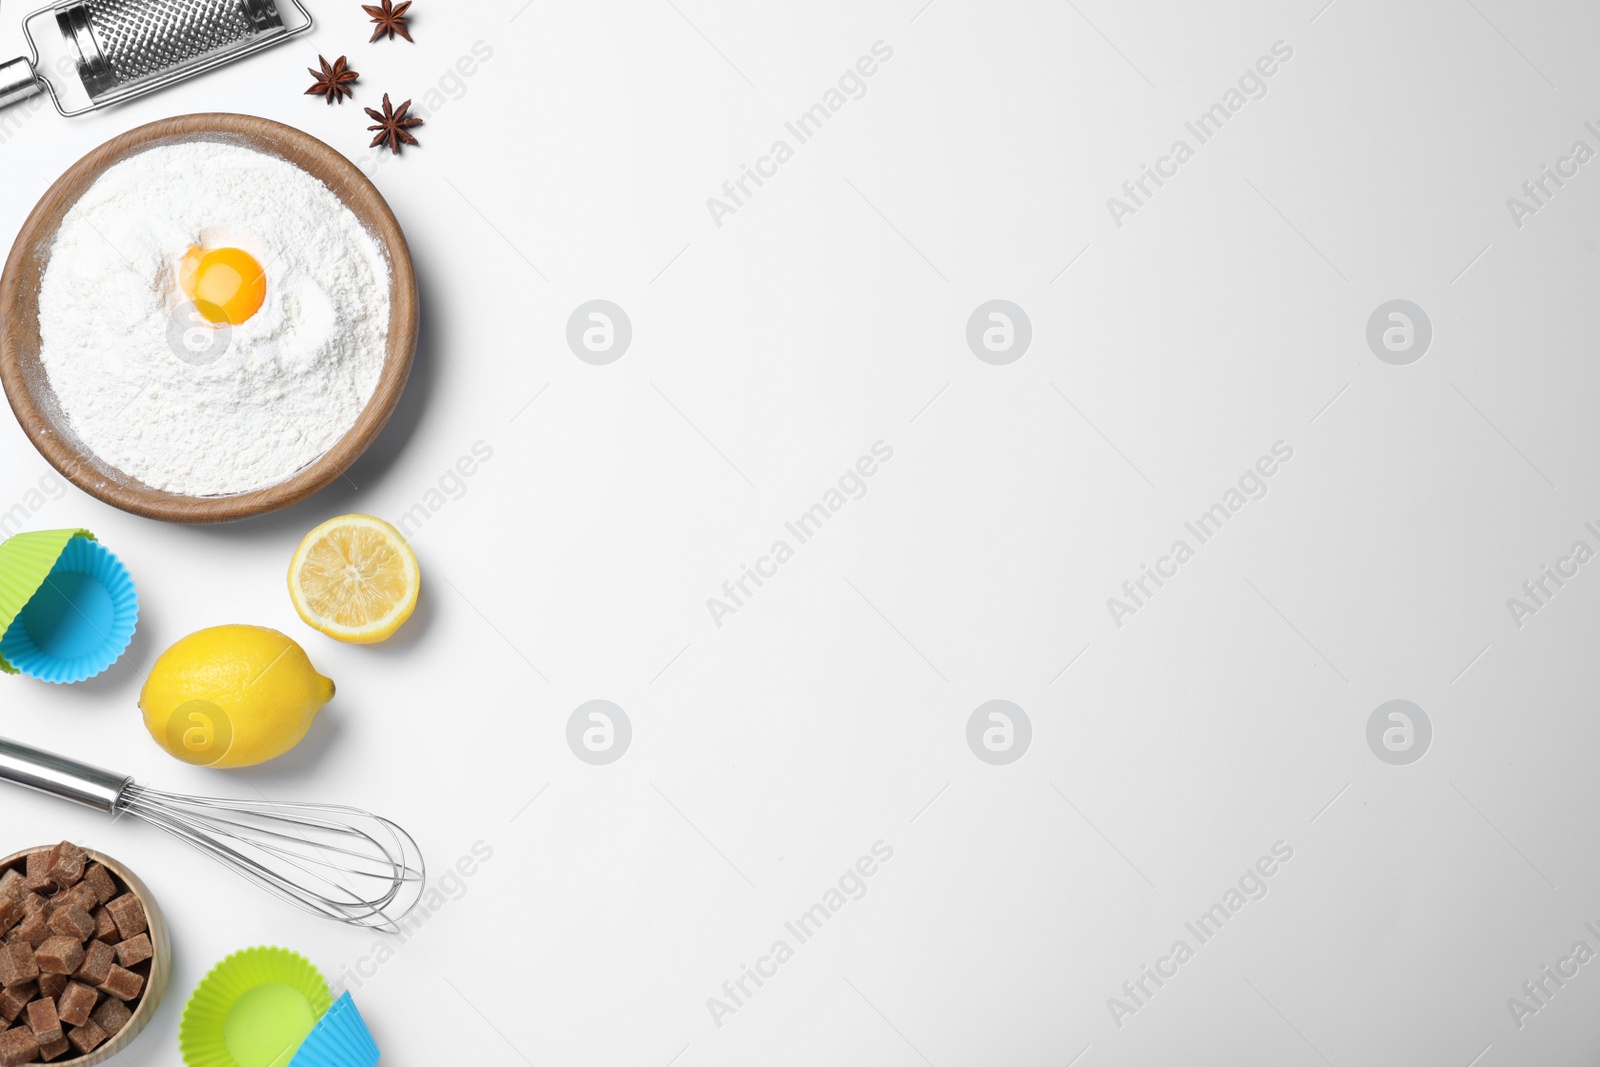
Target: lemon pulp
pixel 355 579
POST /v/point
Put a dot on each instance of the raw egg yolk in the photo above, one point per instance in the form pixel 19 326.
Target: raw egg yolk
pixel 227 285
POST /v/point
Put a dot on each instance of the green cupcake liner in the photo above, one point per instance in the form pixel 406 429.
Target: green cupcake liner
pixel 255 1009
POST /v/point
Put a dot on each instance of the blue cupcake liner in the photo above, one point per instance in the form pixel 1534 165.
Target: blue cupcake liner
pixel 80 621
pixel 340 1039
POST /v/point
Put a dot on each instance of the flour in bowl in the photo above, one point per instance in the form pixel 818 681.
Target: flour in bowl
pixel 212 319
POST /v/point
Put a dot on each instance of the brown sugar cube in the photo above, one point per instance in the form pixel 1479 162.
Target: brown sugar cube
pixel 111 1016
pixel 105 927
pixel 11 914
pixel 37 879
pixel 135 951
pixel 76 1003
pixel 33 903
pixel 99 879
pixel 43 1021
pixel 123 984
pixel 51 985
pixel 128 914
pixel 32 931
pixel 17 1047
pixel 14 1001
pixel 67 864
pixel 17 965
pixel 59 955
pixel 98 959
pixel 86 1038
pixel 11 884
pixel 81 895
pixel 54 1049
pixel 74 923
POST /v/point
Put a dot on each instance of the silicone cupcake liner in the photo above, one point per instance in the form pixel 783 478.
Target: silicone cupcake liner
pixel 341 1039
pixel 25 562
pixel 255 1009
pixel 68 608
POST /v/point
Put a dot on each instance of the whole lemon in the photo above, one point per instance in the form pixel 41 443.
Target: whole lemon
pixel 232 696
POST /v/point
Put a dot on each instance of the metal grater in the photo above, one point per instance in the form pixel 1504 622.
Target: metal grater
pixel 122 49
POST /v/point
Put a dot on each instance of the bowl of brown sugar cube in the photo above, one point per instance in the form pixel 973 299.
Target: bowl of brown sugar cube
pixel 85 956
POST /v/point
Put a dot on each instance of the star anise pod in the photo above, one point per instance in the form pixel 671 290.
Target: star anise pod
pixel 390 19
pixel 332 82
pixel 392 124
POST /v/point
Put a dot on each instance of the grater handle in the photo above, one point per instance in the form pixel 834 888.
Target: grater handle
pixel 17 81
pixel 61 777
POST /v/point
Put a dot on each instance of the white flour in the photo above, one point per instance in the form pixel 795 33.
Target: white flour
pixel 161 396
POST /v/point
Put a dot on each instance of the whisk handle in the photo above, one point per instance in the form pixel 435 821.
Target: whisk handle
pixel 61 777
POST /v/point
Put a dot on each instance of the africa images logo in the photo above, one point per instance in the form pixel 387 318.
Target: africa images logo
pixel 1251 886
pixel 1399 733
pixel 851 486
pixel 1251 86
pixel 1252 485
pixel 851 85
pixel 850 886
pixel 599 733
pixel 999 732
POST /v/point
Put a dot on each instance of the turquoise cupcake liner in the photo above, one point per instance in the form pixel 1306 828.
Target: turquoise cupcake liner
pixel 80 620
pixel 340 1039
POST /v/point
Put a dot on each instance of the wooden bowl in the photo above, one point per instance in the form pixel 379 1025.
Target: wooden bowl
pixel 157 970
pixel 28 388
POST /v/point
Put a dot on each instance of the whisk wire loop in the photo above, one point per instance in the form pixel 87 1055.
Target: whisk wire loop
pixel 331 860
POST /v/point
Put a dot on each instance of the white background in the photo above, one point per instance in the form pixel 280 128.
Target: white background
pixel 830 713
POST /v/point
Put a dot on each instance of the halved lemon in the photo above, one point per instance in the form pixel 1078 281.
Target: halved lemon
pixel 355 579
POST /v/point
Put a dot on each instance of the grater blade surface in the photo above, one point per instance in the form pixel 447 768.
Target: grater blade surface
pixel 140 39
